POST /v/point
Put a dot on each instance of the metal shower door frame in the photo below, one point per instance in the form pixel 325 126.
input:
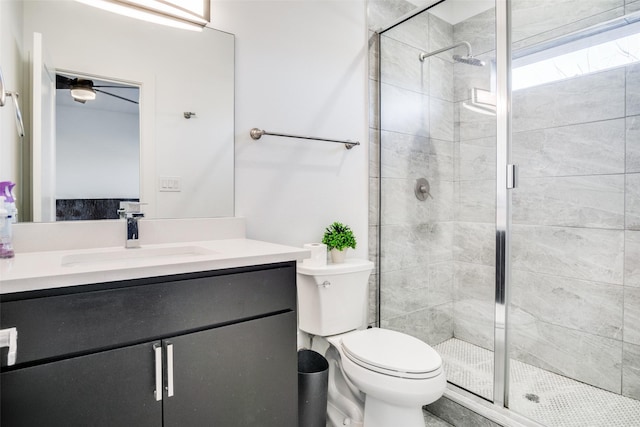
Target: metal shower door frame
pixel 505 181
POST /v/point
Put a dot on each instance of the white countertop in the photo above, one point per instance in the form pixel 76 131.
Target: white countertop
pixel 55 269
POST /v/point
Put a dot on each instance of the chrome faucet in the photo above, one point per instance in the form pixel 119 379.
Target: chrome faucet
pixel 131 211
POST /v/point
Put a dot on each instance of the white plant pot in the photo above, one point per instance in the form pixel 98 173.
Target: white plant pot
pixel 338 257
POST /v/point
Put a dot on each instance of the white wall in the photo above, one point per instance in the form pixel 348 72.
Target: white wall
pixel 97 154
pixel 12 70
pixel 301 68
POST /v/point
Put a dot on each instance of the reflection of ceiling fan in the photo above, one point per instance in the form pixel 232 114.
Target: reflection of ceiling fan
pixel 83 90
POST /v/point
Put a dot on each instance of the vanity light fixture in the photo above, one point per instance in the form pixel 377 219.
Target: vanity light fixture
pixel 187 15
pixel 83 91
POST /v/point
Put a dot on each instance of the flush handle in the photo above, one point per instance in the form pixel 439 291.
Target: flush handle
pixel 325 284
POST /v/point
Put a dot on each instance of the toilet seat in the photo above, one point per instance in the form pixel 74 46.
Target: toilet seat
pixel 392 353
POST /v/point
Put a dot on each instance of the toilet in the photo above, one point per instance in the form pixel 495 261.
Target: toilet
pixel 377 377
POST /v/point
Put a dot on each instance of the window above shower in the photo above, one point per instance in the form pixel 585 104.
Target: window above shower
pixel 614 44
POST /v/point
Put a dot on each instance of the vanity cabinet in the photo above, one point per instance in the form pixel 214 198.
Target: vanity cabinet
pixel 220 346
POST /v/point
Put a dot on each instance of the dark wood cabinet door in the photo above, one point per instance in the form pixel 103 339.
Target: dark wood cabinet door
pixel 137 311
pixel 238 375
pixel 109 388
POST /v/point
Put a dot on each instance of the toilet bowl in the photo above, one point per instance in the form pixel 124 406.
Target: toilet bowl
pixel 377 377
pixel 397 373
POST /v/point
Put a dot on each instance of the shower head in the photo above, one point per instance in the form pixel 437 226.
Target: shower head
pixel 467 59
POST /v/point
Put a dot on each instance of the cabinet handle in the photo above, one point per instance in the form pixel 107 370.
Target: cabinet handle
pixel 9 338
pixel 157 348
pixel 169 370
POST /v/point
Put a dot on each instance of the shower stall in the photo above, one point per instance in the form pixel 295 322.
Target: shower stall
pixel 506 202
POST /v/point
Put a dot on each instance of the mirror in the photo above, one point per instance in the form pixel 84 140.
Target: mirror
pixel 186 104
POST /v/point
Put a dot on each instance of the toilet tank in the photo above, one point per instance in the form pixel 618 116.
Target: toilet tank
pixel 333 299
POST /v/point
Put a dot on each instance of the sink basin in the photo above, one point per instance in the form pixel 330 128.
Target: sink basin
pixel 129 256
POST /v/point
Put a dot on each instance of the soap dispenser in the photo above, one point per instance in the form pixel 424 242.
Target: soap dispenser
pixel 6 245
pixel 6 191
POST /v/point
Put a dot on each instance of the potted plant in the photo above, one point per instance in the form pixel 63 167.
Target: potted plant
pixel 338 238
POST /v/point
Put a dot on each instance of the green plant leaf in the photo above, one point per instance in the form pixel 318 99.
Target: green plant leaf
pixel 339 236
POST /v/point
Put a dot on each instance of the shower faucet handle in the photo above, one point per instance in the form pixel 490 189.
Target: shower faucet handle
pixel 422 189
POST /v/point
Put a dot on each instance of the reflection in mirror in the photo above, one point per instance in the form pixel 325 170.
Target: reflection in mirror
pixel 176 71
pixel 97 147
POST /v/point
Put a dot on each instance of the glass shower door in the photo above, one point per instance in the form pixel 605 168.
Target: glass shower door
pixel 575 288
pixel 438 186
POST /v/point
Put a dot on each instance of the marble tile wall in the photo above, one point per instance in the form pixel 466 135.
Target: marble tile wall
pixel 380 13
pixel 574 306
pixel 416 140
pixel 474 237
pixel 631 342
pixel 577 232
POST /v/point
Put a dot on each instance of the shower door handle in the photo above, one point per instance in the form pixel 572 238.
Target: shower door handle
pixel 512 176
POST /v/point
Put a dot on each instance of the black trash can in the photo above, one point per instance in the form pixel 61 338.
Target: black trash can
pixel 313 380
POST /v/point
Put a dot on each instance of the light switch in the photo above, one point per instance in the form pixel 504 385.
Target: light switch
pixel 169 183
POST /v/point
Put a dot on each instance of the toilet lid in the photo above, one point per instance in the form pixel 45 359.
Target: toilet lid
pixel 391 353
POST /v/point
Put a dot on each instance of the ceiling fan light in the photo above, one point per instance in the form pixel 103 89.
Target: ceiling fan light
pixel 83 93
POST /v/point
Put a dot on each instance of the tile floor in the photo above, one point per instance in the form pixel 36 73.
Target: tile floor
pixel 431 420
pixel 548 398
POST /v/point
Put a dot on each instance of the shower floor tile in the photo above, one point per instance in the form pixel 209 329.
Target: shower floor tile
pixel 545 397
pixel 468 366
